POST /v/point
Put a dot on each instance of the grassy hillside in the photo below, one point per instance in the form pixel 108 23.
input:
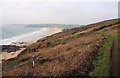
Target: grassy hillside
pixel 79 51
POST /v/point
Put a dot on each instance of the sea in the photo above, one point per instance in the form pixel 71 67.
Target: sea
pixel 14 32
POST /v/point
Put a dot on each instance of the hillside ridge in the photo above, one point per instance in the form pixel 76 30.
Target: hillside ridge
pixel 68 53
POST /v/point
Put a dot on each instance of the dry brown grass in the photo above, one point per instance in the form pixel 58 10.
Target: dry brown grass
pixel 66 53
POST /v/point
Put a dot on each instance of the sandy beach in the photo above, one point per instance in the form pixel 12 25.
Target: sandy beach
pixel 37 36
pixel 27 41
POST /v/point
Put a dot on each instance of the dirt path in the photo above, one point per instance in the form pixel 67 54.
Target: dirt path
pixel 115 68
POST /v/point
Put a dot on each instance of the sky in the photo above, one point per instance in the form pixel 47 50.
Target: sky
pixel 57 11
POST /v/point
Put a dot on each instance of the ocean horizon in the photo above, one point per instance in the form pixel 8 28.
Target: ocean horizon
pixel 14 32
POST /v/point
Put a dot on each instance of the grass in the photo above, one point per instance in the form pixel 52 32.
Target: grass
pixel 102 27
pixel 75 54
pixel 64 30
pixel 63 43
pixel 25 59
pixel 87 43
pixel 119 40
pixel 85 28
pixel 95 46
pixel 42 61
pixel 103 64
pixel 77 45
pixel 69 48
pixel 74 33
pixel 77 34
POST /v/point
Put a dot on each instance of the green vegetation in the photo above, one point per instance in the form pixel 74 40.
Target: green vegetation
pixel 77 45
pixel 102 27
pixel 42 61
pixel 48 44
pixel 103 62
pixel 69 48
pixel 76 52
pixel 25 59
pixel 75 32
pixel 58 40
pixel 41 57
pixel 63 43
pixel 95 46
pixel 119 40
pixel 53 45
pixel 86 43
pixel 81 34
pixel 64 30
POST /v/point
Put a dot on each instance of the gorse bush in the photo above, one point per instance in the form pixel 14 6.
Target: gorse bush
pixel 42 61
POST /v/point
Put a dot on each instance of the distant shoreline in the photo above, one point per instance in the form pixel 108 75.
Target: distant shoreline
pixel 28 41
pixel 22 34
pixel 37 36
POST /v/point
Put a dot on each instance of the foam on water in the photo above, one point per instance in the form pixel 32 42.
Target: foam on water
pixel 14 39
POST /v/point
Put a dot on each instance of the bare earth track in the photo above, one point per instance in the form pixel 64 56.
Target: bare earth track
pixel 82 51
pixel 115 58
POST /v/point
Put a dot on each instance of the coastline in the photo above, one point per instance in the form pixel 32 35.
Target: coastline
pixel 28 41
pixel 37 36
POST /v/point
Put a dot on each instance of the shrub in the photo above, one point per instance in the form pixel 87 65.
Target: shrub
pixel 64 30
pixel 69 48
pixel 81 34
pixel 86 43
pixel 74 32
pixel 63 43
pixel 48 44
pixel 77 45
pixel 94 46
pixel 25 59
pixel 42 61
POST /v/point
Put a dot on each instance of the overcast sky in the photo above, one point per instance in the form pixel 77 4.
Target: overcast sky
pixel 58 11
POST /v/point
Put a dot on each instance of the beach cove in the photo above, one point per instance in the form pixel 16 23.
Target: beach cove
pixel 28 40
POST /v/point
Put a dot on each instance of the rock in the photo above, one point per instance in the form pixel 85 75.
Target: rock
pixel 10 48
